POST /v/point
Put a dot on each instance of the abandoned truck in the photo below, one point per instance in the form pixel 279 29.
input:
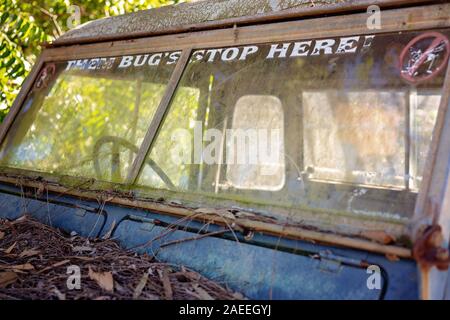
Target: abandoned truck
pixel 288 149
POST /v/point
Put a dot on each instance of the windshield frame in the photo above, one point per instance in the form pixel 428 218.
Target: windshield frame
pixel 396 20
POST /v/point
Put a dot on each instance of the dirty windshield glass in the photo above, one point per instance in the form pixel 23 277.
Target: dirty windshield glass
pixel 338 124
pixel 88 117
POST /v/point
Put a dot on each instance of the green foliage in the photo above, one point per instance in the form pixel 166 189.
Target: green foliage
pixel 24 25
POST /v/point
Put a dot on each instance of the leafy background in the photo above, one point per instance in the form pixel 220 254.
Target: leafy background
pixel 25 25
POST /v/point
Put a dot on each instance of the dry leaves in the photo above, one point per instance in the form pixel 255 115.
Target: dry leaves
pixel 140 286
pixel 10 248
pixel 83 249
pixel 202 294
pixel 378 236
pixel 34 266
pixel 23 267
pixel 55 265
pixel 164 275
pixel 29 253
pixel 59 294
pixel 7 278
pixel 104 279
pixel 18 267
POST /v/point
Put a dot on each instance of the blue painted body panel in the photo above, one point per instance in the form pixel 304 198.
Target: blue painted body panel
pixel 254 268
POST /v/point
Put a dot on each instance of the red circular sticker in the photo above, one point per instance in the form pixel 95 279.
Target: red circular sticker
pixel 46 74
pixel 424 57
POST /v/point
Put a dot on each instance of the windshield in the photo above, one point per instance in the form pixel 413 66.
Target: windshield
pixel 321 124
pixel 341 125
pixel 83 113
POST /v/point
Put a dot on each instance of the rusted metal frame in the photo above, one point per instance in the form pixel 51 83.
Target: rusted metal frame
pixel 423 215
pixel 431 224
pixel 303 30
pixel 221 153
pixel 23 93
pixel 318 219
pixel 160 113
pixel 292 13
pixel 408 126
pixel 423 21
pixel 407 19
pixel 239 224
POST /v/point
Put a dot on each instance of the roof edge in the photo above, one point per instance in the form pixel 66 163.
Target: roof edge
pixel 213 14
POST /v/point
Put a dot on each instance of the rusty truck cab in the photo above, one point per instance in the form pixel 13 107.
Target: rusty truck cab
pixel 292 151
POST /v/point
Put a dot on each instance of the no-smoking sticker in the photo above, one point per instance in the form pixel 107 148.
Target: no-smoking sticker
pixel 44 77
pixel 424 57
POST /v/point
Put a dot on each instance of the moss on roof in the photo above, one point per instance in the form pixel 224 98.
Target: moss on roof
pixel 198 15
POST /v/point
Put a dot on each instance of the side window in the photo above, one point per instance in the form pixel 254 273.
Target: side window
pixel 381 138
pixel 256 144
pixel 363 141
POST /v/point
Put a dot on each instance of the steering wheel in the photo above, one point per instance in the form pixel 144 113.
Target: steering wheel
pixel 117 141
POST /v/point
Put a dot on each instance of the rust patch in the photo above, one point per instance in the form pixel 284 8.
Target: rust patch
pixel 428 250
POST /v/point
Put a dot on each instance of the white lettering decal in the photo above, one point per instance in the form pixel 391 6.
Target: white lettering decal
pixel 301 49
pixel 325 45
pixel 198 55
pixel 226 56
pixel 173 57
pixel 93 64
pixel 70 64
pixel 248 51
pixel 281 51
pixel 368 41
pixel 140 60
pixel 155 59
pixel 126 61
pixel 347 45
pixel 212 54
pixel 81 64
